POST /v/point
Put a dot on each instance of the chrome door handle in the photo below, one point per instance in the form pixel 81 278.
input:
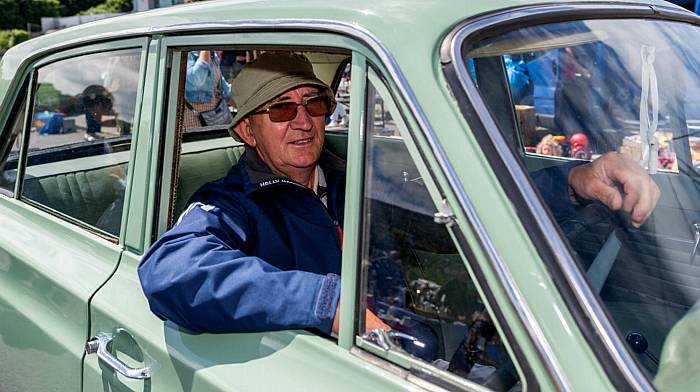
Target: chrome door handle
pixel 98 344
pixel 400 335
pixel 385 339
pixel 379 337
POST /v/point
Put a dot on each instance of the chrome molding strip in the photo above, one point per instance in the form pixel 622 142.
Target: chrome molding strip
pixel 615 346
pixel 508 284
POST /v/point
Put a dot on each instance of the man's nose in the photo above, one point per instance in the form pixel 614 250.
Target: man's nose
pixel 302 120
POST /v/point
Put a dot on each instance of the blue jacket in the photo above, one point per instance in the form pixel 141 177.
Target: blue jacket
pixel 199 81
pixel 253 252
pixel 258 252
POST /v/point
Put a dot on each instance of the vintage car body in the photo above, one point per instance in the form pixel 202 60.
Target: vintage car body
pixel 64 282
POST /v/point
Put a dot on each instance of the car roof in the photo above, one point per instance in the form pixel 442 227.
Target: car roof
pixel 410 29
pixel 389 20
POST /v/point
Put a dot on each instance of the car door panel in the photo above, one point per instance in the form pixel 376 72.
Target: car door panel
pixel 53 253
pixel 180 360
pixel 183 361
pixel 48 271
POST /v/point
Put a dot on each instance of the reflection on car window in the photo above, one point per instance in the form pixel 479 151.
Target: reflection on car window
pixel 580 98
pixel 584 88
pixel 413 277
pixel 78 150
pixel 382 122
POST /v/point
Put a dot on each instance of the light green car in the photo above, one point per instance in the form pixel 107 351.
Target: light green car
pixel 458 122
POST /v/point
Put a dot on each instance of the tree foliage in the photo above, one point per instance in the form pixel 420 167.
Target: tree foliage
pixel 38 8
pixel 17 13
pixel 109 6
pixel 10 38
pixel 72 7
pixel 11 15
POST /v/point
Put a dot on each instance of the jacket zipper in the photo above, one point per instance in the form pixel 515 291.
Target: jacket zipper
pixel 335 221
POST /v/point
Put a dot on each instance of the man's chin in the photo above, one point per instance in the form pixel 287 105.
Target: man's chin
pixel 304 159
pixel 305 164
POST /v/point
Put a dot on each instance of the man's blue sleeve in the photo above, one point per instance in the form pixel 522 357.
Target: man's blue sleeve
pixel 553 185
pixel 198 276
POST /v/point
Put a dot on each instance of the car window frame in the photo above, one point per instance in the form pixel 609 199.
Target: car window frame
pixel 18 110
pixel 589 314
pixel 32 71
pixel 174 48
pixel 363 46
pixel 165 144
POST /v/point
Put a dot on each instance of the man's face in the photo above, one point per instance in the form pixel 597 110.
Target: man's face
pixel 288 146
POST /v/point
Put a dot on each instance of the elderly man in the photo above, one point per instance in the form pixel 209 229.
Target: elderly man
pixel 260 249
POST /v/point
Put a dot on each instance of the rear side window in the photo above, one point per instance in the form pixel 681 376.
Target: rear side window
pixel 78 147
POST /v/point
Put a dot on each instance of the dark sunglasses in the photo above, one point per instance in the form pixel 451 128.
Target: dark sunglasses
pixel 318 105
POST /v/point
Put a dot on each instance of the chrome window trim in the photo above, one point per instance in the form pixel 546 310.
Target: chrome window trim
pixel 524 313
pixel 451 53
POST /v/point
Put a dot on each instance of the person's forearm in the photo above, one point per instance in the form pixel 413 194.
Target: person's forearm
pixel 207 284
pixel 552 184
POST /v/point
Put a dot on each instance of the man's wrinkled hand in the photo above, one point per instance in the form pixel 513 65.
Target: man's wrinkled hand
pixel 617 181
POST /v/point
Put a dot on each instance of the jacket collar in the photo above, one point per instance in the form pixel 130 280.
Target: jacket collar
pixel 261 177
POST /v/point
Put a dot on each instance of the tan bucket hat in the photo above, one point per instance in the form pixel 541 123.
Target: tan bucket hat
pixel 269 76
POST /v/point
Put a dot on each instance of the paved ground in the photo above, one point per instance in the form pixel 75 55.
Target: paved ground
pixel 61 139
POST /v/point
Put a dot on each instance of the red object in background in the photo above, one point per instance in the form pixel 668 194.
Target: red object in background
pixel 579 146
pixel 666 162
pixel 666 158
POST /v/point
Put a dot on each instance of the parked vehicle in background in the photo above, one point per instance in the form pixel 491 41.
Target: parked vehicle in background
pixel 451 109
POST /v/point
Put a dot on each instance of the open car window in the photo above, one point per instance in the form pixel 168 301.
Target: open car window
pixel 209 104
pixel 206 149
pixel 575 90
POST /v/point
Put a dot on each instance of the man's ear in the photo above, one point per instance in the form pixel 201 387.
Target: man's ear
pixel 244 131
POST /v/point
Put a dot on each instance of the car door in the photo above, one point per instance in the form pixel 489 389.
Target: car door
pixel 61 203
pixel 413 275
pixel 162 356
